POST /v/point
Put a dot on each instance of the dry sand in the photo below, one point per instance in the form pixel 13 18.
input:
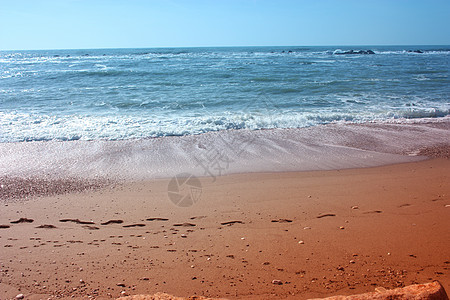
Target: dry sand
pixel 286 235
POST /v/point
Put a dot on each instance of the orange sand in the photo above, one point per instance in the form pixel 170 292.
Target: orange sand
pixel 385 226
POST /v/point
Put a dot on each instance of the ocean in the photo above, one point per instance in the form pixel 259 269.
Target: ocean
pixel 123 94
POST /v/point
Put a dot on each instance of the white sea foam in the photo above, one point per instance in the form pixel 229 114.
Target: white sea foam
pixel 333 146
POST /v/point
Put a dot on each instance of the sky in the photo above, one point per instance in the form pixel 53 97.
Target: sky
pixel 85 24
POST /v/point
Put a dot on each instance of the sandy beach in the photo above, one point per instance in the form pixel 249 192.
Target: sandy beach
pixel 213 150
pixel 289 235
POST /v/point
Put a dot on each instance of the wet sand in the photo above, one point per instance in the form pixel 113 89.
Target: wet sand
pixel 292 235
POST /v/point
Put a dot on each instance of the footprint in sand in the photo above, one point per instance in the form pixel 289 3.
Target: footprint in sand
pixel 157 219
pixel 77 221
pixel 197 217
pixel 232 222
pixel 185 224
pixel 325 215
pixel 22 220
pixel 46 226
pixel 91 227
pixel 112 222
pixel 282 221
pixel 133 225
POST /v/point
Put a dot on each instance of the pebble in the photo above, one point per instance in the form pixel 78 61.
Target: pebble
pixel 352 261
pixel 82 281
pixel 301 242
pixel 121 284
pixel 355 207
pixel 278 282
pixel 20 296
pixel 184 236
pixel 307 227
pixel 341 227
pixel 145 278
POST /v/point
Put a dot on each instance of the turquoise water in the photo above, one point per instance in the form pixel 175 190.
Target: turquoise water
pixel 117 94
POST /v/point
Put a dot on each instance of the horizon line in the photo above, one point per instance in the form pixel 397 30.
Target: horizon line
pixel 247 46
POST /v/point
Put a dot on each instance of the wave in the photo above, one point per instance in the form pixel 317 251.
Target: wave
pixel 19 127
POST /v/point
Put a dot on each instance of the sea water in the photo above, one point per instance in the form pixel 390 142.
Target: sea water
pixel 122 94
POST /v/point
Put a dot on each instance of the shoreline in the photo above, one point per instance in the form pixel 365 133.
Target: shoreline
pixel 320 233
pixel 43 167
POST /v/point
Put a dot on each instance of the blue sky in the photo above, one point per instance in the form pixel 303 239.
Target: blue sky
pixel 69 24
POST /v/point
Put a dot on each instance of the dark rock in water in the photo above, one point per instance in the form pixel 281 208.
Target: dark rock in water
pixel 355 52
pixel 415 51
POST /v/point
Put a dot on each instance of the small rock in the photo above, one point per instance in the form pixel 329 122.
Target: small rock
pixel 301 242
pixel 341 227
pixel 145 278
pixel 277 282
pixel 352 261
pixel 307 227
pixel 184 236
pixel 82 281
pixel 123 293
pixel 121 284
pixel 20 296
pixel 355 207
